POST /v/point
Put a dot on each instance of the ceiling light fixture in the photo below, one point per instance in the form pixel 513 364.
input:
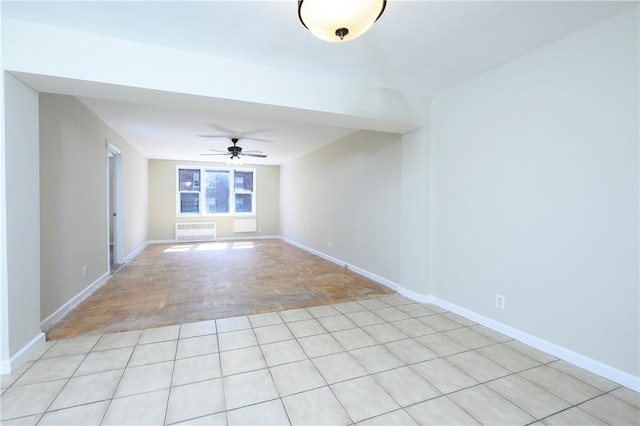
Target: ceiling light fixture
pixel 339 20
pixel 234 160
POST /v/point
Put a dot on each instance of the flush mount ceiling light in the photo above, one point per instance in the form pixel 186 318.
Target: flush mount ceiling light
pixel 339 20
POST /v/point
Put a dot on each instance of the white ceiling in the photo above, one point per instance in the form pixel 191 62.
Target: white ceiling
pixel 420 47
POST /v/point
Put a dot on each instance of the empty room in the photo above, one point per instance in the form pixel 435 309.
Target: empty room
pixel 320 212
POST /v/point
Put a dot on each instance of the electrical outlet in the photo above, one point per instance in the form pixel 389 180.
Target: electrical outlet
pixel 84 271
pixel 500 301
pixel 329 245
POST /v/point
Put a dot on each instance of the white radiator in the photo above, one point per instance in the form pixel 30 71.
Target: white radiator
pixel 195 231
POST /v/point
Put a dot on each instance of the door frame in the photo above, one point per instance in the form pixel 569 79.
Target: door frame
pixel 113 151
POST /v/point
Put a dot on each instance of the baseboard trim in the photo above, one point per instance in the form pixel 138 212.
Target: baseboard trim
pixel 388 283
pixel 6 366
pixel 73 302
pixel 577 359
pixel 136 252
pixel 414 296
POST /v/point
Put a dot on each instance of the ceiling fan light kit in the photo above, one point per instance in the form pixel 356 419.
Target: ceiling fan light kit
pixel 339 20
pixel 235 152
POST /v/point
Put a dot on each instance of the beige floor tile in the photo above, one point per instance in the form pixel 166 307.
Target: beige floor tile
pixel 37 352
pixel 391 313
pixel 237 339
pixel 320 345
pixel 195 400
pixel 349 307
pixel 612 410
pixel 195 369
pixel 529 397
pixel 460 319
pixel 323 311
pixel 440 344
pixel 261 320
pixel 90 414
pixel 306 328
pixel 406 386
pixel 145 378
pixel 144 409
pixel 292 315
pixel 469 338
pixel 410 351
pixel 384 333
pixel 77 345
pixel 374 303
pixel 24 421
pixel 273 333
pixel 50 369
pixel 316 407
pixel 296 377
pixel 17 371
pixel 396 300
pixel 363 398
pixel 110 359
pixel 440 411
pixel 534 353
pixel 444 375
pixel 376 358
pixel 87 389
pixel 364 318
pixel 353 338
pixel 488 407
pixel 160 334
pixel 154 352
pixel 439 322
pixel 475 365
pixel 573 417
pixel 627 395
pixel 242 360
pixel 415 310
pixel 265 413
pixel 200 328
pixel 336 323
pixel 413 327
pixel 560 384
pixel 398 418
pixel 338 367
pixel 21 401
pixel 508 358
pixel 194 346
pixel 283 352
pixel 250 388
pixel 585 376
pixel 219 419
pixel 232 324
pixel 493 335
pixel 118 340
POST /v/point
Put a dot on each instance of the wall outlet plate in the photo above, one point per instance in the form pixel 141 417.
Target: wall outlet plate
pixel 500 301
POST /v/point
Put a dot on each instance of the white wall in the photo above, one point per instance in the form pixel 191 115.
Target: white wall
pixel 535 193
pixel 21 178
pixel 347 193
pixel 73 199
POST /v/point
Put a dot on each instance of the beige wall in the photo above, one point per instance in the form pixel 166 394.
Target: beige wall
pixel 535 193
pixel 347 193
pixel 22 214
pixel 73 199
pixel 162 202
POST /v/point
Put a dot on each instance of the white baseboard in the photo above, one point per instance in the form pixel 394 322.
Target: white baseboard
pixel 6 366
pixel 414 296
pixel 136 252
pixel 161 242
pixel 392 285
pixel 256 237
pixel 73 302
pixel 582 361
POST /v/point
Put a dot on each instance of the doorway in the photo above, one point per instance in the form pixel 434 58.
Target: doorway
pixel 115 231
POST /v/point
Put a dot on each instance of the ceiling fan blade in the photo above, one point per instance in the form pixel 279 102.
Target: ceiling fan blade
pixel 218 150
pixel 216 154
pixel 252 151
pixel 254 155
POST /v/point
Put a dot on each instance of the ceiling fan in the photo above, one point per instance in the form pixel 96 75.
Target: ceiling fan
pixel 235 152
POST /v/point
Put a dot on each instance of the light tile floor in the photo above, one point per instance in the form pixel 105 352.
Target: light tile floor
pixel 379 361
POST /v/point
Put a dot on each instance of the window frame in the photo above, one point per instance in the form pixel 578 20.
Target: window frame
pixel 202 191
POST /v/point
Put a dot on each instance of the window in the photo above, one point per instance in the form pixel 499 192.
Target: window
pixel 223 191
